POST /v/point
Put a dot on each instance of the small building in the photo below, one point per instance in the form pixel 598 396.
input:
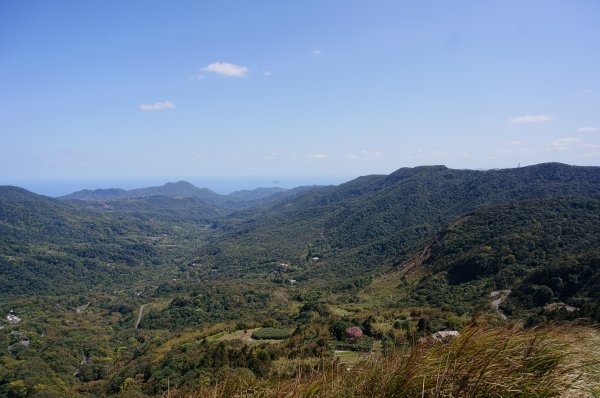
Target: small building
pixel 12 318
pixel 444 335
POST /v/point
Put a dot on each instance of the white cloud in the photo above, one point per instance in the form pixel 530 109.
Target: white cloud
pixel 365 155
pixel 530 119
pixel 267 73
pixel 159 106
pixel 226 69
pixel 320 156
pixel 565 143
pixel 316 52
pixel 588 129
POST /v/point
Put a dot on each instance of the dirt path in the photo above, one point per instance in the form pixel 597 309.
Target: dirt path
pixel 499 296
pixel 139 318
pixel 238 335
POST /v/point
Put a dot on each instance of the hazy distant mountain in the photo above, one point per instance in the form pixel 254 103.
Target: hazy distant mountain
pixel 253 194
pixel 98 194
pixel 234 201
pixel 174 189
pixel 171 189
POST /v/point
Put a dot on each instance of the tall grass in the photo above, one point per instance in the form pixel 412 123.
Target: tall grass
pixel 481 362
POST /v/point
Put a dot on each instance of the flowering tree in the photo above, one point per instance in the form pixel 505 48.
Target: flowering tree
pixel 353 333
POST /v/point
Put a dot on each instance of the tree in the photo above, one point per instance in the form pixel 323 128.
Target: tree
pixel 17 389
pixel 353 333
pixel 338 329
pixel 542 295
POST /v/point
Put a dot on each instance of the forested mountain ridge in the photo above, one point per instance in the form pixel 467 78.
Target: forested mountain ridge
pixel 372 221
pixel 543 250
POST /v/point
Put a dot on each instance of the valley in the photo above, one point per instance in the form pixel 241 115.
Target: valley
pixel 178 290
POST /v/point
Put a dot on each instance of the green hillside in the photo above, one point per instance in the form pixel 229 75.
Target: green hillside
pixel 374 222
pixel 544 250
pixel 53 246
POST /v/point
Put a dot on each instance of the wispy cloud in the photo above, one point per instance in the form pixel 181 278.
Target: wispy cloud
pixel 365 155
pixel 565 143
pixel 197 78
pixel 428 156
pixel 530 119
pixel 514 148
pixel 514 151
pixel 226 69
pixel 267 73
pixel 591 155
pixel 588 129
pixel 280 156
pixel 316 52
pixel 159 106
pixel 319 156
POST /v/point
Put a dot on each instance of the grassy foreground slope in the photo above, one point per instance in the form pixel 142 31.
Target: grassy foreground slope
pixel 481 362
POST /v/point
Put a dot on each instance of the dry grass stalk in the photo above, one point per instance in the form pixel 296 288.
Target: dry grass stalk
pixel 481 362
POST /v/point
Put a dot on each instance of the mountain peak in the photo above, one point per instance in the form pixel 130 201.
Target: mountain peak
pixel 180 183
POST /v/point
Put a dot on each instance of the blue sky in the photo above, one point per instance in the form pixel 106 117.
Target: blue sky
pixel 171 90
